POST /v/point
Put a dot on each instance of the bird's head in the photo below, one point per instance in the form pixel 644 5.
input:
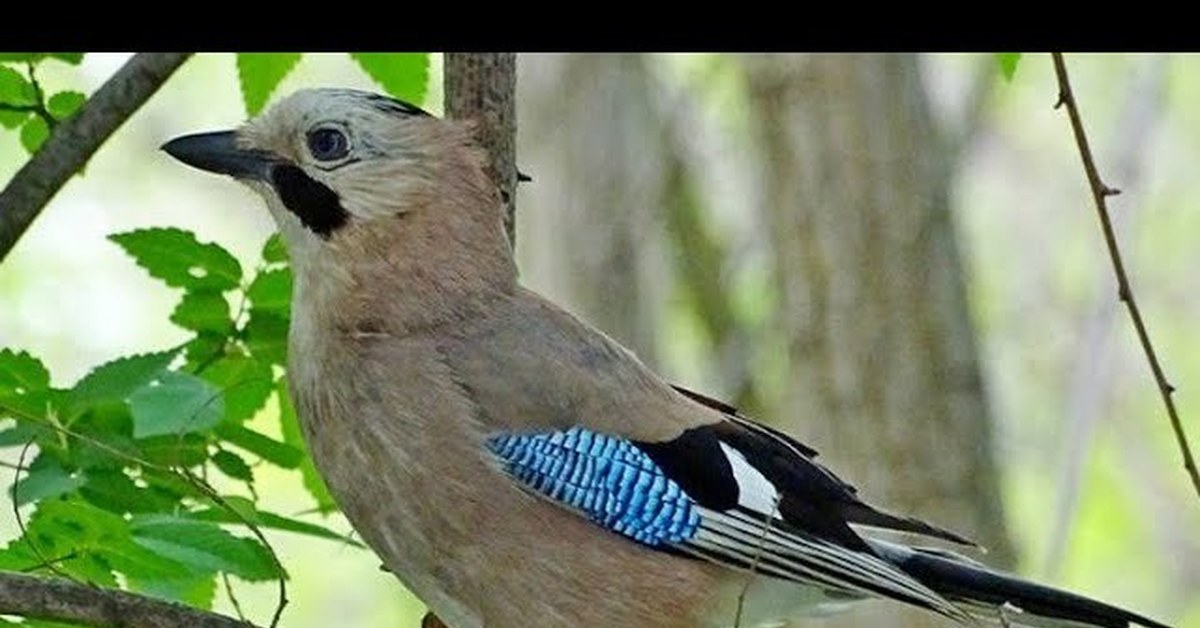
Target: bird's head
pixel 367 190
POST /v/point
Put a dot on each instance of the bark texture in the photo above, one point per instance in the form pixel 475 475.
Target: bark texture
pixel 63 600
pixel 481 87
pixel 885 378
pixel 600 247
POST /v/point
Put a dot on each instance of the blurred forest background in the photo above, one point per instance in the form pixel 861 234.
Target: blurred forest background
pixel 894 257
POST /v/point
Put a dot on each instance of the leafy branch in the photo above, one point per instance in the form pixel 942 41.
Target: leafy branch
pixel 72 143
pixel 1100 194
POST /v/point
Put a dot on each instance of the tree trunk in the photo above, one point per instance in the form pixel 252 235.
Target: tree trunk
pixel 591 142
pixel 885 379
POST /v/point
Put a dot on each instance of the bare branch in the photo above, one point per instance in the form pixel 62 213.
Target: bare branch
pixel 74 141
pixel 482 87
pixel 63 600
pixel 1100 194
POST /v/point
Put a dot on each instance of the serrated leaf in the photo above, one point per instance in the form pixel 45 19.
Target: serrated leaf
pixel 274 251
pixel 179 259
pixel 264 519
pixel 20 371
pixel 178 403
pixel 233 466
pixel 195 590
pixel 24 381
pixel 271 291
pixel 34 133
pixel 45 478
pixel 118 379
pixel 245 382
pixel 259 73
pixel 289 426
pixel 15 89
pixel 203 311
pixel 273 451
pixel 404 75
pixel 63 104
pixel 204 547
pixel 1008 63
pixel 114 491
pixel 265 335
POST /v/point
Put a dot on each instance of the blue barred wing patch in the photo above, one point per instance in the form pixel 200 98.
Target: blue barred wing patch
pixel 610 480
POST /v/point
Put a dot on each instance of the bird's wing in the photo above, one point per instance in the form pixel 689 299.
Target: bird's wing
pixel 700 495
pixel 577 418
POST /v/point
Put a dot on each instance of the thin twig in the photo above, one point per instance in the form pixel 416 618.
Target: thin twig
pixel 233 599
pixel 16 510
pixel 1100 194
pixel 75 139
pixel 762 540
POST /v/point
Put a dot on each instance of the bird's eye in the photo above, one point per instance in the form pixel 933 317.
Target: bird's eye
pixel 328 144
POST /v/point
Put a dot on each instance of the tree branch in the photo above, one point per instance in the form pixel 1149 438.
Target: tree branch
pixel 482 87
pixel 1100 194
pixel 63 600
pixel 74 141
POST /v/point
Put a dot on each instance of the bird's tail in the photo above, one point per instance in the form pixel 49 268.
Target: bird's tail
pixel 1010 600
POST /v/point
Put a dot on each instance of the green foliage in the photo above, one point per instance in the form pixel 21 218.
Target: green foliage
pixel 260 73
pixel 23 104
pixel 114 465
pixel 403 74
pixel 1008 63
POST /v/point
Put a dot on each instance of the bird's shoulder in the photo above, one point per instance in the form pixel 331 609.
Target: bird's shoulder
pixel 531 365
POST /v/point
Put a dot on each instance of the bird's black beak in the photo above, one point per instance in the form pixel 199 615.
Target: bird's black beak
pixel 218 152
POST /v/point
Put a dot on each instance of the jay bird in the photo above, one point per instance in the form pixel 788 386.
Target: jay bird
pixel 516 467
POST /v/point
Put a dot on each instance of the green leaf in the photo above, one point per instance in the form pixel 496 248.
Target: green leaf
pixel 45 478
pixel 21 372
pixel 114 491
pixel 63 104
pixel 24 383
pixel 245 382
pixel 197 590
pixel 403 74
pixel 271 291
pixel 260 73
pixel 274 521
pixel 233 466
pixel 118 379
pixel 1008 63
pixel 204 547
pixel 21 434
pixel 34 133
pixel 267 448
pixel 177 403
pixel 274 251
pixel 289 425
pixel 15 89
pixel 204 311
pixel 73 58
pixel 13 119
pixel 177 258
pixel 265 335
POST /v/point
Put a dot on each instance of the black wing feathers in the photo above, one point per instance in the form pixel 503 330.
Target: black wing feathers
pixel 811 496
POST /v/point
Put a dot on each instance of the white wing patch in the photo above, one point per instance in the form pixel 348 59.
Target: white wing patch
pixel 755 491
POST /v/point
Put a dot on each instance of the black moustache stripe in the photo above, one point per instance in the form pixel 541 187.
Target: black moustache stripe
pixel 317 206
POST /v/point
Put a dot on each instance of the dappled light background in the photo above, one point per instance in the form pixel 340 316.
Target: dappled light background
pixel 1094 495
